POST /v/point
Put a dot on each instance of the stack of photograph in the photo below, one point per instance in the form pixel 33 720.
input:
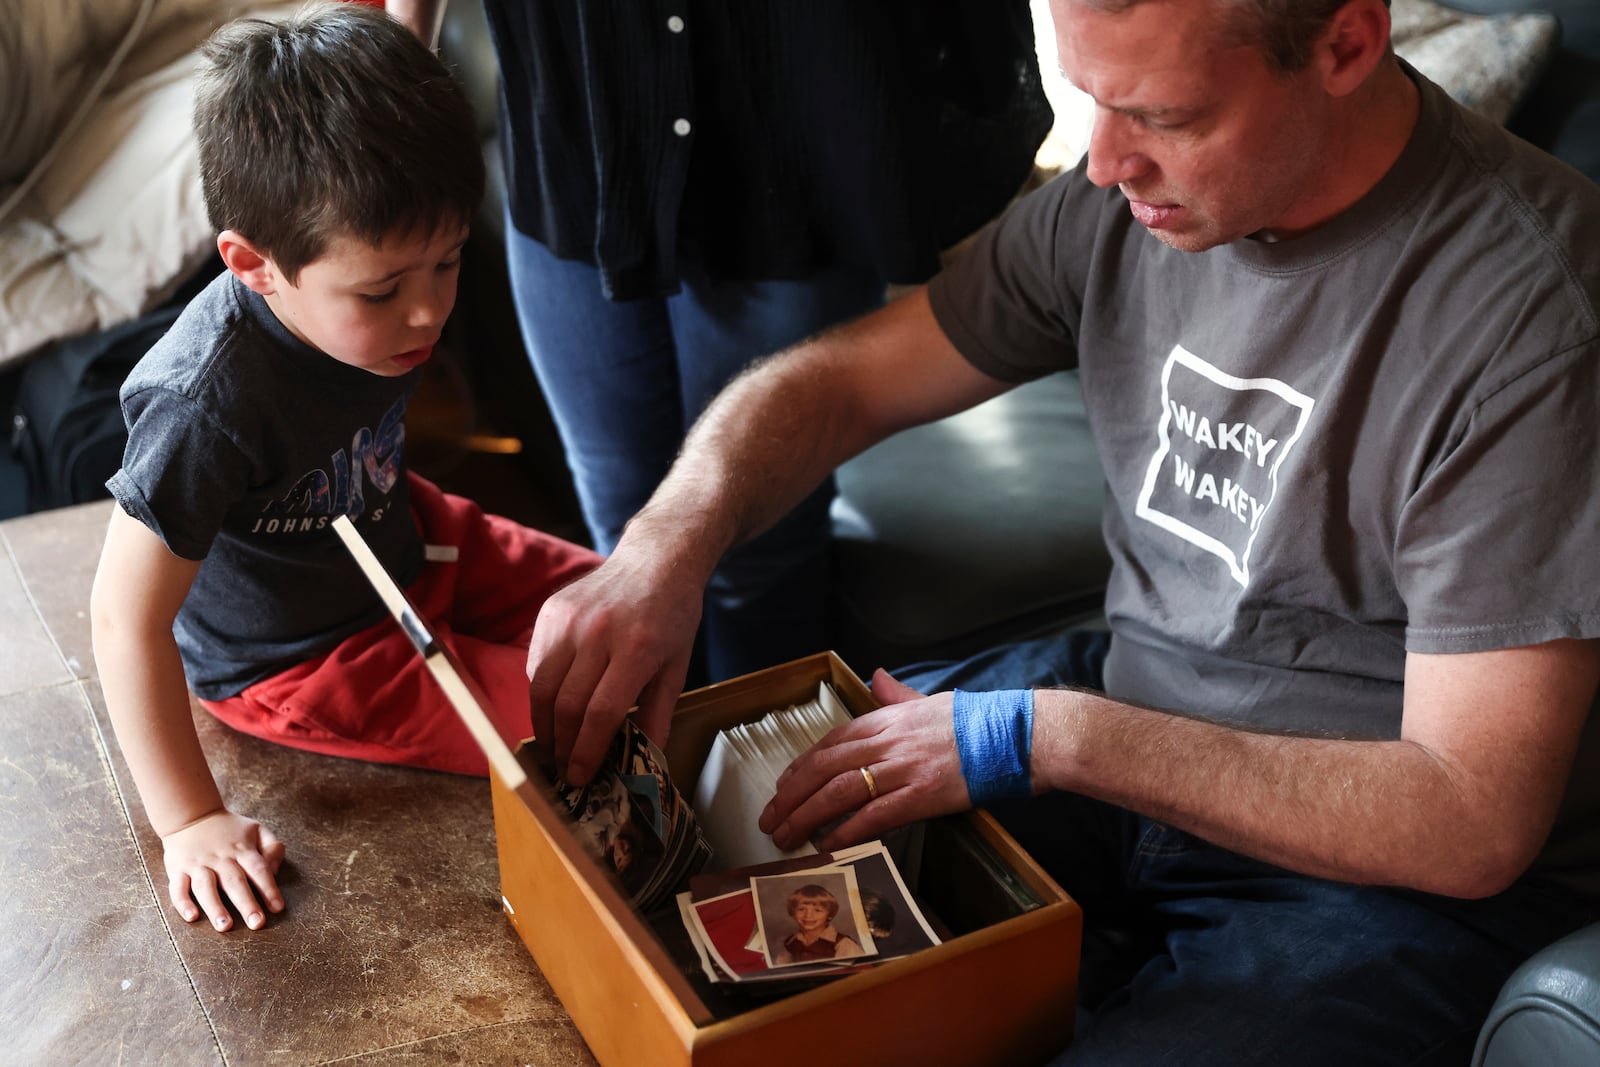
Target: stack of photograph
pixel 633 820
pixel 802 920
pixel 740 775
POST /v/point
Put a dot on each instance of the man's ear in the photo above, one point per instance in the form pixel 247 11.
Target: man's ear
pixel 1354 43
pixel 248 263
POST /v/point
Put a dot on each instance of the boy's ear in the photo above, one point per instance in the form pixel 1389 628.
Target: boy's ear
pixel 248 263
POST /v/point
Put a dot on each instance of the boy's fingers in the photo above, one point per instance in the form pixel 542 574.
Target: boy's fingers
pixel 259 870
pixel 237 888
pixel 272 851
pixel 178 893
pixel 203 885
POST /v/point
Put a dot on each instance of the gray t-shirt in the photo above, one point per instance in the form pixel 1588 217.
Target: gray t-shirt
pixel 1325 452
pixel 243 444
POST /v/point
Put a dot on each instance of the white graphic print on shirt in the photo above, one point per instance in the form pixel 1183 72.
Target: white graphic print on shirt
pixel 1221 442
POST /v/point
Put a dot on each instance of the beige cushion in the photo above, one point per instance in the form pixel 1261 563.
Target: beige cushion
pixel 112 218
pixel 1486 62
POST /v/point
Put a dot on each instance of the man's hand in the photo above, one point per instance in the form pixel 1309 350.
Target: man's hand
pixel 223 853
pixel 909 745
pixel 624 633
pixel 618 636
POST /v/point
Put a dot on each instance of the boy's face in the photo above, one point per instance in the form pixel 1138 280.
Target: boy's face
pixel 379 308
pixel 810 914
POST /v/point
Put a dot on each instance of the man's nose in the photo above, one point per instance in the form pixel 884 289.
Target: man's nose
pixel 1114 150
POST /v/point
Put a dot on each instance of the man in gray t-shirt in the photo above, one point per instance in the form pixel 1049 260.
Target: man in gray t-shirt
pixel 1340 347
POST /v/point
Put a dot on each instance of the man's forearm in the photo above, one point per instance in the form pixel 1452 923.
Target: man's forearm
pixel 782 426
pixel 758 450
pixel 1379 812
pixel 1312 805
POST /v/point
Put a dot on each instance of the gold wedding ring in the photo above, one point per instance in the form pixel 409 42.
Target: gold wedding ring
pixel 872 783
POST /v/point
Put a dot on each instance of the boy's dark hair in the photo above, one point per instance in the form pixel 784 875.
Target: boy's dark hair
pixel 335 122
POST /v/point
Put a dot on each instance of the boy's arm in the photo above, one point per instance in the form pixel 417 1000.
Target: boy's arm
pixel 138 589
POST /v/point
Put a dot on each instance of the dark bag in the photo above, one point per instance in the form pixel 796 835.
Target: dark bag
pixel 66 428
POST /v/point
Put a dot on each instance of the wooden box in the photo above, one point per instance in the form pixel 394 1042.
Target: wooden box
pixel 1001 989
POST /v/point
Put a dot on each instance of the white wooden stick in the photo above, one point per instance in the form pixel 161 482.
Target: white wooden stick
pixel 459 687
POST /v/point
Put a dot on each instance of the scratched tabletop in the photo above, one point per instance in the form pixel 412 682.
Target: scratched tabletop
pixel 393 948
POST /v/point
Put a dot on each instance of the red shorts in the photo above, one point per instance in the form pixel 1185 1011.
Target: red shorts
pixel 373 699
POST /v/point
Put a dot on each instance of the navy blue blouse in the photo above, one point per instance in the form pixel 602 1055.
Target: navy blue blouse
pixel 759 139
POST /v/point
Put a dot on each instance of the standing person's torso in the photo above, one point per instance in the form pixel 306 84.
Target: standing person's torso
pixel 763 140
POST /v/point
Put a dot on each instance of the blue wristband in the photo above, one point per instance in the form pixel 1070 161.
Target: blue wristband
pixel 994 738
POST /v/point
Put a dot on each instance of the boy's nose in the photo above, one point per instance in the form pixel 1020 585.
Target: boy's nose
pixel 430 311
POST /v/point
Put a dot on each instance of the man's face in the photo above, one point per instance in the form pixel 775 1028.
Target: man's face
pixel 377 308
pixel 1204 140
pixel 810 915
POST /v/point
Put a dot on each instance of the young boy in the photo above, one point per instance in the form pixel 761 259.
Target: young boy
pixel 341 167
pixel 815 938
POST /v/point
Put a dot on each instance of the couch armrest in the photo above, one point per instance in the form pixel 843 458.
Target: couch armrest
pixel 1549 1009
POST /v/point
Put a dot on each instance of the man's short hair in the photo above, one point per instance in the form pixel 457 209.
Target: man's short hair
pixel 335 122
pixel 812 891
pixel 1283 31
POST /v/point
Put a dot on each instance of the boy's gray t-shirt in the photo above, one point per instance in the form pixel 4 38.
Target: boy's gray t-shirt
pixel 1325 452
pixel 243 444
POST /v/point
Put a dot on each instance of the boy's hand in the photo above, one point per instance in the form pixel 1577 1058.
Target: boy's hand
pixel 223 853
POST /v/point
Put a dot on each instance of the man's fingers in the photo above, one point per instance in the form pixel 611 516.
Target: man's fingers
pixel 547 669
pixel 840 794
pixel 613 694
pixel 890 811
pixel 890 691
pixel 582 709
pixel 659 698
pixel 822 783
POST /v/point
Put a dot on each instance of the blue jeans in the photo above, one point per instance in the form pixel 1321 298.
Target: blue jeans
pixel 1194 955
pixel 625 380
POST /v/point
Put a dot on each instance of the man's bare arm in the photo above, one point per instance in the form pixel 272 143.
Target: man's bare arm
pixel 622 635
pixel 1459 805
pixel 783 425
